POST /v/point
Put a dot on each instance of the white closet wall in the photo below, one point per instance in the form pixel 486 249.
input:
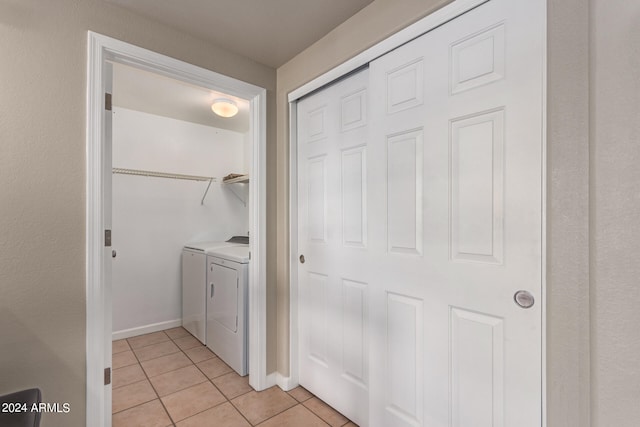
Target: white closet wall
pixel 154 217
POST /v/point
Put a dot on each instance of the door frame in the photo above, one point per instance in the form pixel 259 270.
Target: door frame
pixel 100 50
pixel 424 25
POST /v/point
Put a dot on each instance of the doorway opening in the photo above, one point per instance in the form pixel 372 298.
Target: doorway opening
pixel 170 154
pixel 103 53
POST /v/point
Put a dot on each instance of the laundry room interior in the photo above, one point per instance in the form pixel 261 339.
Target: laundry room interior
pixel 170 156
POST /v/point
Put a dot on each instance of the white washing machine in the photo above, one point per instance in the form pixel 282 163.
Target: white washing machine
pixel 227 305
pixel 194 284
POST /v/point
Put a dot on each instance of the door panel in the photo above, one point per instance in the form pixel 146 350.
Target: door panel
pixel 333 215
pixel 477 369
pixel 317 194
pixel 478 59
pixel 354 197
pixel 404 192
pixel 420 217
pixel 318 313
pixel 477 187
pixel 405 86
pixel 404 370
pixel 355 331
pixel 482 217
pixel 353 110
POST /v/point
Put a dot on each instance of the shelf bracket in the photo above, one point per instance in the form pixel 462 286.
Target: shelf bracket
pixel 244 202
pixel 206 191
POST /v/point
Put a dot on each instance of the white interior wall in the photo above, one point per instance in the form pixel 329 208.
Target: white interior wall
pixel 154 217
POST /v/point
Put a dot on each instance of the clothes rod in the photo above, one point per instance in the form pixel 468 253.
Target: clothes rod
pixel 168 175
pixel 163 174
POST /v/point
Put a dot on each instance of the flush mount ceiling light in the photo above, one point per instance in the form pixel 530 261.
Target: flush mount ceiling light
pixel 224 107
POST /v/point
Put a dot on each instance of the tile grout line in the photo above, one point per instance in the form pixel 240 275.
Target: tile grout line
pixel 320 416
pixel 210 380
pixel 238 410
pixel 181 350
pixel 235 397
pixel 227 400
pixel 177 391
pixel 297 402
pixel 291 407
pixel 174 423
pixel 139 363
pixel 149 379
pixel 311 410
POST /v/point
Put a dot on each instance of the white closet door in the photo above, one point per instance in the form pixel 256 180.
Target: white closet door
pixel 420 227
pixel 333 285
pixel 457 138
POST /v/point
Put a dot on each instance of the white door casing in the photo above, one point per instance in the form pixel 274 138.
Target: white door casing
pixel 107 254
pixel 101 50
pixel 418 232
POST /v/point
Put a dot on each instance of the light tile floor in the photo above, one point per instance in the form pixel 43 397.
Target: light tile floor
pixel 169 378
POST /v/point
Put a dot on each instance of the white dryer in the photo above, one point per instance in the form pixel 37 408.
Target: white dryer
pixel 194 284
pixel 227 305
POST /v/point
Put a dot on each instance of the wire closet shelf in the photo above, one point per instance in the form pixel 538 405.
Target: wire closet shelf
pixel 155 174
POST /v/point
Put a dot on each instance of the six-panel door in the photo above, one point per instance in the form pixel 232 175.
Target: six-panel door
pixel 420 218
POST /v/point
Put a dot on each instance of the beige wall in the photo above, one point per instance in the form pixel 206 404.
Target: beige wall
pixel 593 75
pixel 42 182
pixel 568 354
pixel 593 209
pixel 615 212
pixel 593 203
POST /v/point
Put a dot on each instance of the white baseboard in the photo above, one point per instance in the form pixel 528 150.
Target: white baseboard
pixel 146 329
pixel 285 383
pixel 276 378
pixel 270 380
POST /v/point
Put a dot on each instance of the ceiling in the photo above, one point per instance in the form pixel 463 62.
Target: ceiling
pixel 270 32
pixel 141 90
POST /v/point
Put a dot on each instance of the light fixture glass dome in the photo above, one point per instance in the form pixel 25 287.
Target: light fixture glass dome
pixel 224 107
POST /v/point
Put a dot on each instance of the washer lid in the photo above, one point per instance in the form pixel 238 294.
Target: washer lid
pixel 238 254
pixel 203 246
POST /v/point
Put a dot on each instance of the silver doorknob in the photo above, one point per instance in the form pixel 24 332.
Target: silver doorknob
pixel 524 299
pixel 113 253
pixel 301 259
